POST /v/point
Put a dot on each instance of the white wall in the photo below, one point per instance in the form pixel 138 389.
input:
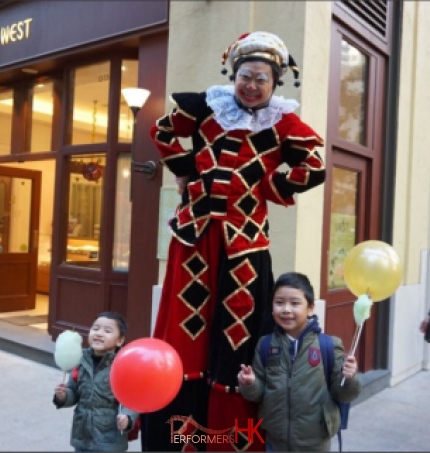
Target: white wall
pixel 195 64
pixel 407 346
pixel 408 353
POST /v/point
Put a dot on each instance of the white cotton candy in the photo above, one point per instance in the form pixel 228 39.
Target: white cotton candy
pixel 68 350
pixel 362 308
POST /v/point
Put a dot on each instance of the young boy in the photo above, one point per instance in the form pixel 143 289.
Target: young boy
pixel 99 423
pixel 297 409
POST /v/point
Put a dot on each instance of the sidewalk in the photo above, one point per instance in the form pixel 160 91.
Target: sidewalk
pixel 29 420
pixel 396 419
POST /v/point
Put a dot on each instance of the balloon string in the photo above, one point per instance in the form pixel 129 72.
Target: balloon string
pixel 355 339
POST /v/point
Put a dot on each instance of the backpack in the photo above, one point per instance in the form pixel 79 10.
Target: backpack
pixel 133 433
pixel 327 355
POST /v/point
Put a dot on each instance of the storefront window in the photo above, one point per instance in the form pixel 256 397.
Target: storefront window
pixel 353 93
pixel 343 223
pixel 86 178
pixel 6 109
pixel 90 102
pixel 121 244
pixel 128 80
pixel 42 108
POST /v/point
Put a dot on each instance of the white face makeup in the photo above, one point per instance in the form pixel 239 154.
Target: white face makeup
pixel 247 74
pixel 254 83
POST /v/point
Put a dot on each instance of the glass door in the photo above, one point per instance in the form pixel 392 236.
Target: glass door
pixel 19 237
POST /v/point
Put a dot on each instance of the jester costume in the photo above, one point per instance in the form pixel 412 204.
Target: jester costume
pixel 216 296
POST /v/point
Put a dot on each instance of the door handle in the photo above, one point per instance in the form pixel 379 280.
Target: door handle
pixel 149 168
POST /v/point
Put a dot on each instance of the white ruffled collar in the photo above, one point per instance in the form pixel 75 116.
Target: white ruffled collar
pixel 230 116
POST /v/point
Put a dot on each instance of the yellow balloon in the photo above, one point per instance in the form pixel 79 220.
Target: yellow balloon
pixel 373 268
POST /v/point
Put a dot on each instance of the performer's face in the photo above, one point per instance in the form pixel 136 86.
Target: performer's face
pixel 291 310
pixel 254 83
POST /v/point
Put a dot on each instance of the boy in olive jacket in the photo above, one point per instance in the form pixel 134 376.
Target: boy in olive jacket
pixel 99 423
pixel 298 410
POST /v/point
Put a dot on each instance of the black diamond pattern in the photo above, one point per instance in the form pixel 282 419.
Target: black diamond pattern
pixel 195 265
pixel 264 140
pixel 252 173
pixel 195 295
pixel 232 145
pixel 164 137
pixel 194 325
pixel 250 229
pixel 242 441
pixel 247 204
pixel 230 232
pixel 165 121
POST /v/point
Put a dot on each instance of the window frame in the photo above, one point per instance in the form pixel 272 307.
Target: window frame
pixel 366 160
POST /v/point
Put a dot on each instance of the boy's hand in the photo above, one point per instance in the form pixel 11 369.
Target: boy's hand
pixel 349 367
pixel 60 392
pixel 246 376
pixel 122 421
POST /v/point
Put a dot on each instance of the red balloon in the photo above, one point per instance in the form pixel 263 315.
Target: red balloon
pixel 146 375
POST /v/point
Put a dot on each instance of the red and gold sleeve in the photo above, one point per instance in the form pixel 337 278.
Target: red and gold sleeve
pixel 306 167
pixel 180 122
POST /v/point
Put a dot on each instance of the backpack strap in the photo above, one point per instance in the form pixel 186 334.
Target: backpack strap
pixel 264 348
pixel 327 354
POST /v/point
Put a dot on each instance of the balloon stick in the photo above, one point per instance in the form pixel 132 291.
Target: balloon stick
pixel 358 330
pixel 120 414
pixel 64 376
pixel 354 345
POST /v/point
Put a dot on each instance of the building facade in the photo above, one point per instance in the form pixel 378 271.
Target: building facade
pixel 364 67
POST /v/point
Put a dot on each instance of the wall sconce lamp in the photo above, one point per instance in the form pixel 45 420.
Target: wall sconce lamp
pixel 135 98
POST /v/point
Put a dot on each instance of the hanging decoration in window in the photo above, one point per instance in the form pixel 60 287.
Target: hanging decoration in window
pixel 92 171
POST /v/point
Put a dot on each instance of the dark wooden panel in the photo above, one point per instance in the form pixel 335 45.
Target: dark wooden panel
pixel 118 294
pixel 143 272
pixel 14 278
pixel 79 301
pixel 340 321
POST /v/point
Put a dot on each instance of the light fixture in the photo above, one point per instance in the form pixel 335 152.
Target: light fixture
pixel 135 98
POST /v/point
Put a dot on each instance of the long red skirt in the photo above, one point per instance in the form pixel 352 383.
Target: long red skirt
pixel 212 311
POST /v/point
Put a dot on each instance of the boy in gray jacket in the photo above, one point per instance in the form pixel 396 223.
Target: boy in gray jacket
pixel 99 423
pixel 298 410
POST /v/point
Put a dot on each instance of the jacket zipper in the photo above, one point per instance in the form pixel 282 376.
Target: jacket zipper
pixel 289 402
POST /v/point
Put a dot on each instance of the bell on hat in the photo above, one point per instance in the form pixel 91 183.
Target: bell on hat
pixel 264 45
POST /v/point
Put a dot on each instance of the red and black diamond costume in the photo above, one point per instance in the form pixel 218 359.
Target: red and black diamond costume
pixel 217 290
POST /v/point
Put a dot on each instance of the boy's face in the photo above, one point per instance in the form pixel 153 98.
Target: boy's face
pixel 291 310
pixel 104 336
